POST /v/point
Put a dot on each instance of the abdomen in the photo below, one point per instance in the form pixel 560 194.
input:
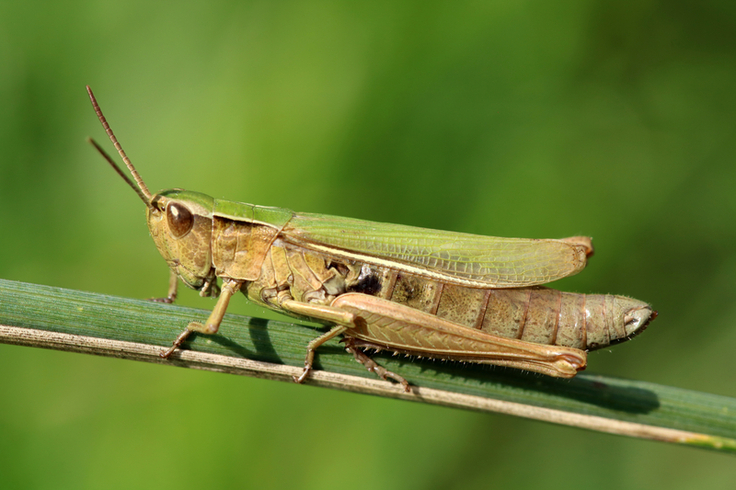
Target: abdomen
pixel 535 314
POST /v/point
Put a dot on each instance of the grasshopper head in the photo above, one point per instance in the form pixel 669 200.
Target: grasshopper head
pixel 181 226
pixel 180 221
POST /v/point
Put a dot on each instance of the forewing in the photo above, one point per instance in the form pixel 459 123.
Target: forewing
pixel 461 258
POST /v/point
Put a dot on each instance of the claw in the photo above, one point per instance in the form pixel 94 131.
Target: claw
pixel 300 379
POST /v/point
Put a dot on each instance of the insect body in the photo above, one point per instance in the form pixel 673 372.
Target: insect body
pixel 422 292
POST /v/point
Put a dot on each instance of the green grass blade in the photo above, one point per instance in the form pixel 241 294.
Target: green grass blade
pixel 136 329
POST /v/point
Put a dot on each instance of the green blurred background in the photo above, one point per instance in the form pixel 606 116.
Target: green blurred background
pixel 535 119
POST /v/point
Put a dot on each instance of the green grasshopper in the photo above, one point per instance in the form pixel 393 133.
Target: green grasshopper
pixel 410 290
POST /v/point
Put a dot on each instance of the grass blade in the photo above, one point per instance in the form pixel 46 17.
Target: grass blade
pixel 62 319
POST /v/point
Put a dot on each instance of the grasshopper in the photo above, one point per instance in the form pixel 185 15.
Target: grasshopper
pixel 409 290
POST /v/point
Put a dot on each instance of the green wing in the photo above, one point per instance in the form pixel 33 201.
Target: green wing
pixel 460 258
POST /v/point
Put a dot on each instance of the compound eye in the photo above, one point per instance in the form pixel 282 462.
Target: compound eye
pixel 180 219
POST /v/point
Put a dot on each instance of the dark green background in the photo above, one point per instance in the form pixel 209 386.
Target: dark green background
pixel 532 118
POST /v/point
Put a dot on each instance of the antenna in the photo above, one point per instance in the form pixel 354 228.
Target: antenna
pixel 120 172
pixel 141 189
